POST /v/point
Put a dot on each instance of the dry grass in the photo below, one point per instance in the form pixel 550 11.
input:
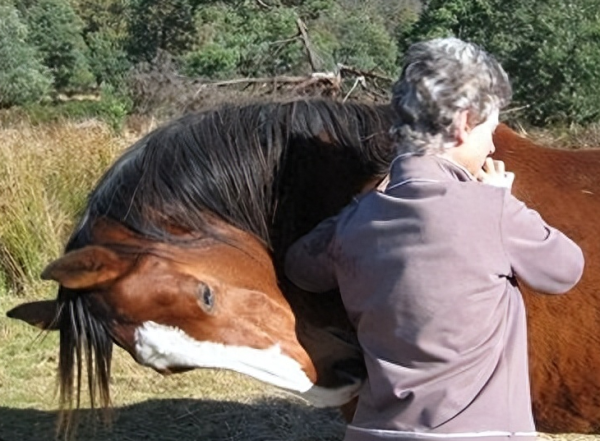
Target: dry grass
pixel 45 175
pixel 573 137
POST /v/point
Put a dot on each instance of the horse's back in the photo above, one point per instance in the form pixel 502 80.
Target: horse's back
pixel 564 331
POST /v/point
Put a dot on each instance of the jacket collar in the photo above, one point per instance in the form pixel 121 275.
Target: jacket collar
pixel 409 167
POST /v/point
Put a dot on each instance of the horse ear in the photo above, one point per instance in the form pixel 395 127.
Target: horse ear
pixel 42 314
pixel 86 268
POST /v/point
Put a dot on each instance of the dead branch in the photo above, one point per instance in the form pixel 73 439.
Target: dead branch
pixel 359 80
pixel 307 45
pixel 262 4
pixel 278 79
pixel 515 109
pixel 362 73
pixel 329 83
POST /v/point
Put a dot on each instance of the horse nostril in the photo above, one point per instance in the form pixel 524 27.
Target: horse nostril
pixel 206 298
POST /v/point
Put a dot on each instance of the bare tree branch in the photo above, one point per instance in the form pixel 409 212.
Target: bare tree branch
pixel 359 80
pixel 361 73
pixel 263 4
pixel 279 79
pixel 515 109
pixel 307 45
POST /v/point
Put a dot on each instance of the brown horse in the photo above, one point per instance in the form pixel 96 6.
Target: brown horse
pixel 176 259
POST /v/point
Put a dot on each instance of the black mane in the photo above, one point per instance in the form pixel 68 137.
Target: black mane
pixel 237 163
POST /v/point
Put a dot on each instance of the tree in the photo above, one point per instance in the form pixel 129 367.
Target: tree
pixel 105 34
pixel 244 39
pixel 55 30
pixel 360 39
pixel 252 38
pixel 550 48
pixel 107 57
pixel 23 78
pixel 155 25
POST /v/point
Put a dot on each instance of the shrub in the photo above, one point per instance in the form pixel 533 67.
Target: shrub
pixel 362 39
pixel 107 58
pixel 55 30
pixel 158 25
pixel 23 78
pixel 244 40
pixel 550 48
pixel 110 107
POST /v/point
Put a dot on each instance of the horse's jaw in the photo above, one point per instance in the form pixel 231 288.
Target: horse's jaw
pixel 166 348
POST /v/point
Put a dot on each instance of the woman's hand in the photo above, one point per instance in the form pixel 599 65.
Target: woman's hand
pixel 494 173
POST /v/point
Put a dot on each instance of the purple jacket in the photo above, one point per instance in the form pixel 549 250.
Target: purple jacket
pixel 427 271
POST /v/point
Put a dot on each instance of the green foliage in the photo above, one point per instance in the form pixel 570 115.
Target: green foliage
pixel 155 25
pixel 312 9
pixel 359 38
pixel 107 58
pixel 243 39
pixel 213 61
pixel 105 34
pixel 111 108
pixel 550 48
pixel 55 30
pixel 107 16
pixel 393 14
pixel 247 40
pixel 23 78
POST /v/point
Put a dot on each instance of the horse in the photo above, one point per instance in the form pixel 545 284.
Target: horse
pixel 178 245
pixel 178 256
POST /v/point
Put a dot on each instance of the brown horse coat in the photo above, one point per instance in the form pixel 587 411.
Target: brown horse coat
pixel 564 331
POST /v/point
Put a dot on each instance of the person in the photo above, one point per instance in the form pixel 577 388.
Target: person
pixel 427 268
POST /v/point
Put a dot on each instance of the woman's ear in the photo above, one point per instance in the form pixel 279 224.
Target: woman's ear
pixel 462 128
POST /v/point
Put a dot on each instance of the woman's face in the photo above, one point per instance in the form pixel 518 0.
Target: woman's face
pixel 477 144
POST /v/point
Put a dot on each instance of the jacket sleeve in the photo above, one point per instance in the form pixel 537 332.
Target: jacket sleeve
pixel 541 256
pixel 308 262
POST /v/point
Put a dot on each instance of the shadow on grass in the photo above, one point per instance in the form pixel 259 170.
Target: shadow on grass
pixel 272 419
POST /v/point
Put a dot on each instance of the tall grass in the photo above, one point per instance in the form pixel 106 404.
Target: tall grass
pixel 46 173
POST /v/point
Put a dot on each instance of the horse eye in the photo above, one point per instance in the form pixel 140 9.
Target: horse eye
pixel 206 297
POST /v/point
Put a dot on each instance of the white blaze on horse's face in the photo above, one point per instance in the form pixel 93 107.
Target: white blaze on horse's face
pixel 164 347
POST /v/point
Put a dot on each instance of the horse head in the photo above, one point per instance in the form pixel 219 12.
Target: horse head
pixel 192 303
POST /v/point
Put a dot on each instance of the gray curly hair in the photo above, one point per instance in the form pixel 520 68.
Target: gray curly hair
pixel 439 79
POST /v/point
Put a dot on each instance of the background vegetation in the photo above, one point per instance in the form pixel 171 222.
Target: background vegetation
pixel 53 48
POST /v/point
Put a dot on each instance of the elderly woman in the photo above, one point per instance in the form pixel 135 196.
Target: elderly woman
pixel 427 268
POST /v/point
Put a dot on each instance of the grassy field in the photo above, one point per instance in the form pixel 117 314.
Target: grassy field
pixel 45 174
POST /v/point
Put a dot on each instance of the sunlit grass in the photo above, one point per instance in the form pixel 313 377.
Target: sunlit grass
pixel 46 173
